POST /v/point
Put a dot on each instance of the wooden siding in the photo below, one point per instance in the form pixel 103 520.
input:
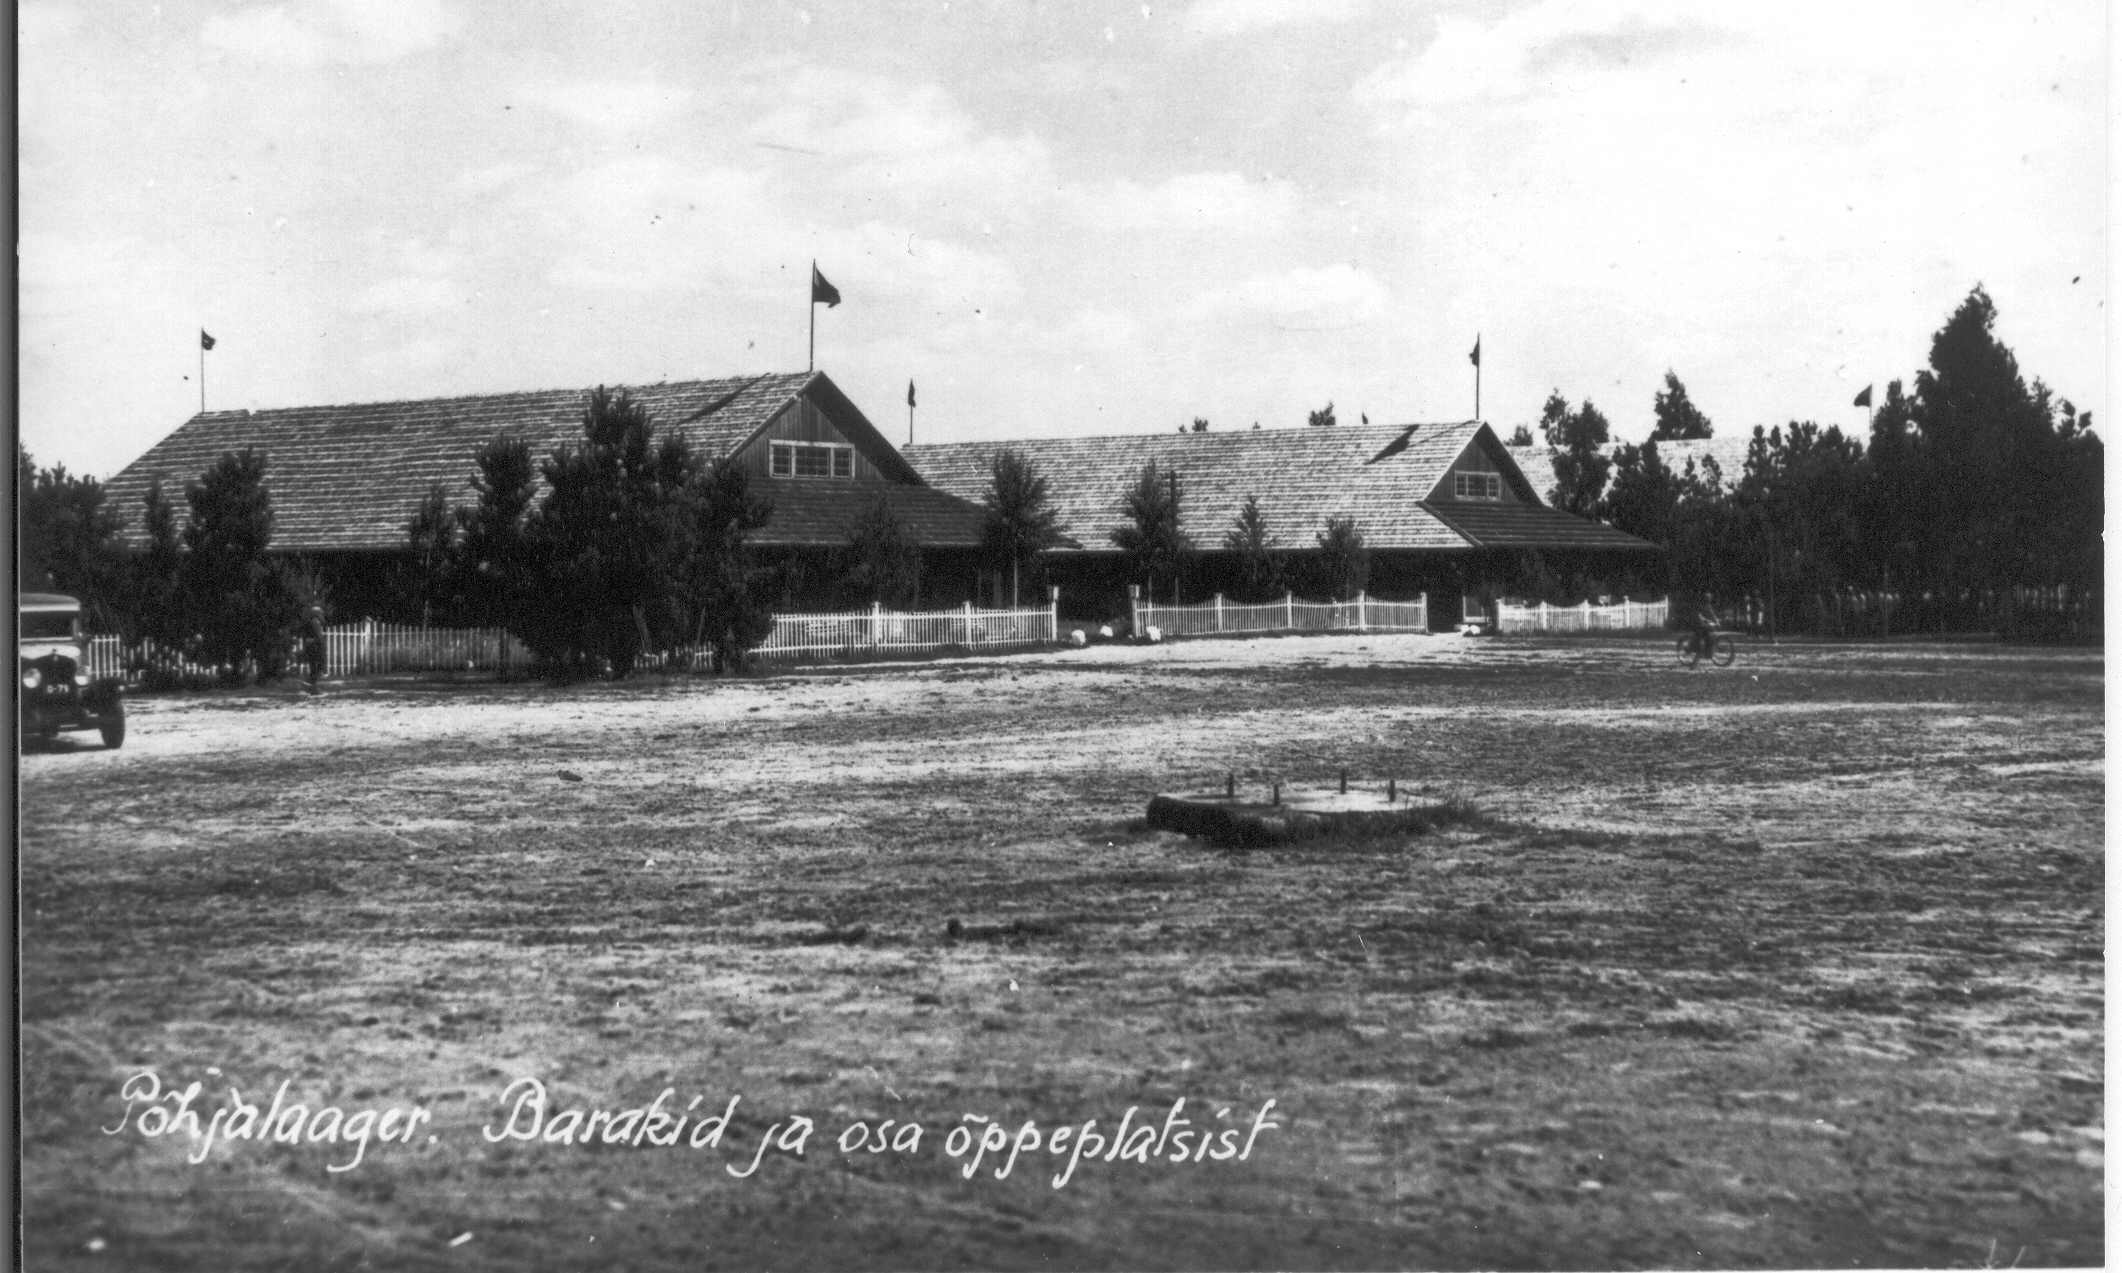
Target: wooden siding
pixel 803 421
pixel 1485 454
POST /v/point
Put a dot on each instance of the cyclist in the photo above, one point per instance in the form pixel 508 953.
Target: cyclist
pixel 1702 628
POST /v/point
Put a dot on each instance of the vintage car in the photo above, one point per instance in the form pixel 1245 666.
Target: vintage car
pixel 57 692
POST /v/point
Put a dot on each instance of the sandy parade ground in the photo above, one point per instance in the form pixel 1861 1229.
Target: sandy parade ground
pixel 1792 963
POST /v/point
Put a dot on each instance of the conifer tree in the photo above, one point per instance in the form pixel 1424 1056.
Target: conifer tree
pixel 1152 540
pixel 1260 571
pixel 1021 521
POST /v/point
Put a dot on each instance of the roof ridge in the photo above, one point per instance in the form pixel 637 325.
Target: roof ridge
pixel 1307 430
pixel 240 412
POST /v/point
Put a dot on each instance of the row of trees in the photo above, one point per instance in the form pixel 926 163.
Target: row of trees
pixel 637 547
pixel 1155 548
pixel 1972 495
pixel 207 592
pixel 1971 492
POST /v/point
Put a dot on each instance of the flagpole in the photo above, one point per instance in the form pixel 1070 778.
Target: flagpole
pixel 1477 377
pixel 202 377
pixel 811 360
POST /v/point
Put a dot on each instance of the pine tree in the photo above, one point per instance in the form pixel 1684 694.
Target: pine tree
pixel 433 541
pixel 1260 571
pixel 1344 561
pixel 1021 522
pixel 1579 464
pixel 68 540
pixel 1643 494
pixel 156 603
pixel 243 614
pixel 1152 541
pixel 1677 417
pixel 729 598
pixel 880 562
pixel 608 542
pixel 492 561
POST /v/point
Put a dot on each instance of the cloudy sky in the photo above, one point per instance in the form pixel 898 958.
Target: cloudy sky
pixel 1056 218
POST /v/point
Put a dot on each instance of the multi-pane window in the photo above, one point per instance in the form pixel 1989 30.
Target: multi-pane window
pixel 812 459
pixel 1477 485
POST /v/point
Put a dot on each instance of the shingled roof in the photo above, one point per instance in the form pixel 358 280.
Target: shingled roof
pixel 1301 477
pixel 811 512
pixel 349 476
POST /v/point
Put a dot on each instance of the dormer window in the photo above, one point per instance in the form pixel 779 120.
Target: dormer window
pixel 1477 485
pixel 812 459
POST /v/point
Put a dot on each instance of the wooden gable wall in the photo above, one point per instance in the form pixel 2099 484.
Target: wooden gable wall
pixel 804 421
pixel 1485 454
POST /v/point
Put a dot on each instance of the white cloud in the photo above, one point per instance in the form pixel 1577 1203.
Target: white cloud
pixel 1523 50
pixel 617 105
pixel 652 225
pixel 1242 17
pixel 1223 202
pixel 1097 329
pixel 319 32
pixel 493 177
pixel 1306 298
pixel 875 137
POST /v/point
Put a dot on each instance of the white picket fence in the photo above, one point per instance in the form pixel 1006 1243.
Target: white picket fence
pixel 1219 617
pixel 354 649
pixel 367 649
pixel 881 631
pixel 1626 616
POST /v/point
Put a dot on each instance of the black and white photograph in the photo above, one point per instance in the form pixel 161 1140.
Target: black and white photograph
pixel 960 634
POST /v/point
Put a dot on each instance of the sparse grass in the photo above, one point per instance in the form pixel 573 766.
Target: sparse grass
pixel 1834 978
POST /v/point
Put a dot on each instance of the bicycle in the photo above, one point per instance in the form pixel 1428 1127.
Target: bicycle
pixel 1722 649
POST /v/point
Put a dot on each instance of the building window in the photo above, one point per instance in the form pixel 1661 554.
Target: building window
pixel 1477 485
pixel 812 459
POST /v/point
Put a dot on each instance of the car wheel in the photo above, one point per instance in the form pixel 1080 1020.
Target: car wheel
pixel 113 728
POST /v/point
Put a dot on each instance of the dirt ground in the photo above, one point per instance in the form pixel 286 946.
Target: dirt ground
pixel 1796 963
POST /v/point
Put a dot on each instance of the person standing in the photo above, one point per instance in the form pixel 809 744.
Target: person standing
pixel 313 643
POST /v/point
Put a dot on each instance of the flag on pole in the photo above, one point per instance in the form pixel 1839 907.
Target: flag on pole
pixel 1863 399
pixel 1475 357
pixel 909 393
pixel 820 290
pixel 205 341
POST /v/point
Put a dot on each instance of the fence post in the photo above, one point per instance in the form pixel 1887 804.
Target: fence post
pixel 968 621
pixel 1053 612
pixel 1289 608
pixel 1134 608
pixel 1362 625
pixel 876 622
